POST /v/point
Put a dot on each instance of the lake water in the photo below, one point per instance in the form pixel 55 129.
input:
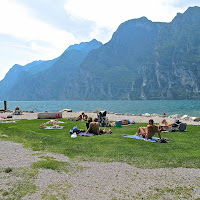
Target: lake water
pixel 189 107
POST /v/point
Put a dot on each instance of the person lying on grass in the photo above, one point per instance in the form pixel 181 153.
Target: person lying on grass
pixel 149 131
pixel 94 128
pixel 164 126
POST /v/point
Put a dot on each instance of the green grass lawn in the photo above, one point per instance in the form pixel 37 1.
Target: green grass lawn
pixel 182 150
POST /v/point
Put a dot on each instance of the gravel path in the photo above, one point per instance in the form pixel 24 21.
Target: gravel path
pixel 93 180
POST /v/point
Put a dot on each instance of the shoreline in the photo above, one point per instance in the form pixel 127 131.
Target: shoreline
pixel 170 107
pixel 143 118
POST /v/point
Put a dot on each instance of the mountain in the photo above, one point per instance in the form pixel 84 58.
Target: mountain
pixel 143 60
pixel 177 57
pixel 85 46
pixel 114 70
pixel 46 80
pixel 15 72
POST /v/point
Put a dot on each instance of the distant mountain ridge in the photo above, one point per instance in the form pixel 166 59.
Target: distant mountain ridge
pixel 41 80
pixel 143 60
pixel 85 46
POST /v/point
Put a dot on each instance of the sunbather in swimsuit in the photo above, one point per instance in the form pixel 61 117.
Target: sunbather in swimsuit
pixel 79 118
pixel 164 126
pixel 94 128
pixel 88 123
pixel 149 131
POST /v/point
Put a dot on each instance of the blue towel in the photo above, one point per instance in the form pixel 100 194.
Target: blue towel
pixel 153 139
pixel 87 135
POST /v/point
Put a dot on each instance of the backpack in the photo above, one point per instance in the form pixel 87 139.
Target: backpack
pixel 182 127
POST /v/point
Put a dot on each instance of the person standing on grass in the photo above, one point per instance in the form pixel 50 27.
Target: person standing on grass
pixel 149 131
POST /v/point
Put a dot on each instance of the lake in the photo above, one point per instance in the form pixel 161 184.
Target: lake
pixel 189 107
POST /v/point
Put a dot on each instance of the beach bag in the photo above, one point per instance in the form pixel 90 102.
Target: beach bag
pixel 74 135
pixel 182 127
pixel 75 128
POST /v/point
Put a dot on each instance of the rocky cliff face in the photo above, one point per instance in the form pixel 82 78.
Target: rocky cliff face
pixel 145 60
pixel 116 70
pixel 177 57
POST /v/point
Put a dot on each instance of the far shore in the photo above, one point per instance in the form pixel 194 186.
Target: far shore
pixel 111 116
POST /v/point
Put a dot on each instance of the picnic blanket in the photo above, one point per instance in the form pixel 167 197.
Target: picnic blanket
pixel 3 117
pixel 153 139
pixel 87 135
pixel 72 119
pixel 79 132
pixel 55 122
pixel 51 127
pixel 8 122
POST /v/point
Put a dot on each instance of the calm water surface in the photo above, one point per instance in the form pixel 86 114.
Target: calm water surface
pixel 189 107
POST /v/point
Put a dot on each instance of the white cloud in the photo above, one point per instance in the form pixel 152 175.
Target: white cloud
pixel 26 38
pixel 111 13
pixel 15 20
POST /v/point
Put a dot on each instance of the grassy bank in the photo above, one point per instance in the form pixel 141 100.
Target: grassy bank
pixel 182 150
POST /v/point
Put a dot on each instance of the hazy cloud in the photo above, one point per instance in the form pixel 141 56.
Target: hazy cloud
pixel 110 14
pixel 42 29
pixel 25 37
pixel 16 21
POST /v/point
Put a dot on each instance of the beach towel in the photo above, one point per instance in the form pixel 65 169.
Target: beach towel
pixel 87 135
pixel 71 119
pixel 76 130
pixel 55 122
pixel 8 122
pixel 3 117
pixel 51 127
pixel 153 139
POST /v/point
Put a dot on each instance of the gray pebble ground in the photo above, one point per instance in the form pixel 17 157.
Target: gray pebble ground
pixel 96 180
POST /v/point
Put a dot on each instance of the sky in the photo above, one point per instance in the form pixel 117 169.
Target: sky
pixel 42 29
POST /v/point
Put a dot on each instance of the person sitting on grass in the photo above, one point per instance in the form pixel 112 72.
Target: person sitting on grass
pixel 88 123
pixel 149 131
pixel 94 128
pixel 17 111
pixel 79 118
pixel 84 116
